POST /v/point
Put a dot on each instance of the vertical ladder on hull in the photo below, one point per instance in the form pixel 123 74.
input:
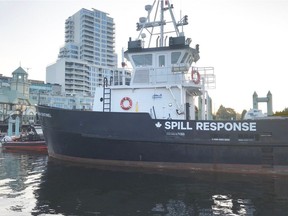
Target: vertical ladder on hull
pixel 106 97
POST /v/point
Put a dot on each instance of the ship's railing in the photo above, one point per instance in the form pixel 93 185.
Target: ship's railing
pixel 207 75
pixel 166 75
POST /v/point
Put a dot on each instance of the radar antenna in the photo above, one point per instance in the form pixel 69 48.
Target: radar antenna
pixel 150 24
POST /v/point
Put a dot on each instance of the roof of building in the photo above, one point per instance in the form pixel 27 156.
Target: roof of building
pixel 20 70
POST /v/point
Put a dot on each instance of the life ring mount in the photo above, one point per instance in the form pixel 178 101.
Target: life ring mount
pixel 195 75
pixel 126 103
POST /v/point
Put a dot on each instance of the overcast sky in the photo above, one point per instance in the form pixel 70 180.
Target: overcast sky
pixel 246 41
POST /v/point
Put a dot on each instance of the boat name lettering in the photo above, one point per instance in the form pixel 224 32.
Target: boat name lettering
pixel 227 126
pixel 44 114
pixel 210 126
pixel 170 125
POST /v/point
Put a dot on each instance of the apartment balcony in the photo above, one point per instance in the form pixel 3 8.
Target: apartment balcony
pixel 69 27
pixel 87 18
pixel 110 61
pixel 111 64
pixel 81 73
pixel 88 42
pixel 79 65
pixel 87 33
pixel 70 73
pixel 88 47
pixel 75 76
pixel 110 52
pixel 69 40
pixel 89 23
pixel 69 22
pixel 69 32
pixel 110 37
pixel 87 51
pixel 77 71
pixel 76 85
pixel 110 41
pixel 110 56
pixel 110 31
pixel 79 79
pixel 110 22
pixel 88 27
pixel 68 87
pixel 79 88
pixel 87 57
pixel 68 82
pixel 110 48
pixel 69 36
pixel 69 66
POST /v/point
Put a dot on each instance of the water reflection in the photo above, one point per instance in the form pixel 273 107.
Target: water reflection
pixel 20 176
pixel 29 185
pixel 72 190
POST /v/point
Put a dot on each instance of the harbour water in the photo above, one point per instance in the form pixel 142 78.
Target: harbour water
pixel 32 184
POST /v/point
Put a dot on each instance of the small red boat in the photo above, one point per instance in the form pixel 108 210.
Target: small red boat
pixel 31 142
pixel 29 146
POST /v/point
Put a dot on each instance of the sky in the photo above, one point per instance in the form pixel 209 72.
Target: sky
pixel 246 41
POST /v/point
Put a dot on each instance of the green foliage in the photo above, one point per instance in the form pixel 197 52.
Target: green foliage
pixel 243 114
pixel 282 113
pixel 225 113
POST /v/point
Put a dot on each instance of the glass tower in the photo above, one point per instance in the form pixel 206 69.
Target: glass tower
pixel 90 36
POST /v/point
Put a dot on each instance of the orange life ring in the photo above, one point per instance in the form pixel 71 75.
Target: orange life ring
pixel 196 79
pixel 124 105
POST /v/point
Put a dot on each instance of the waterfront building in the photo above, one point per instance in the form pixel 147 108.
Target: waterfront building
pixel 14 97
pixel 88 54
pixel 19 95
pixel 19 82
pixel 72 74
pixel 89 36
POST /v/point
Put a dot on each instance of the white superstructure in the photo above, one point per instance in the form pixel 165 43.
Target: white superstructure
pixel 163 82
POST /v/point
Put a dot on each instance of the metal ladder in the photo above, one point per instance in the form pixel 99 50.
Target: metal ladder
pixel 106 97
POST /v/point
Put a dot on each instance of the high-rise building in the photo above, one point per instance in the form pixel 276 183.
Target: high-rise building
pixel 88 54
pixel 89 36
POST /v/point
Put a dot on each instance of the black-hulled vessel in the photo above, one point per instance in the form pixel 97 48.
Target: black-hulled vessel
pixel 151 121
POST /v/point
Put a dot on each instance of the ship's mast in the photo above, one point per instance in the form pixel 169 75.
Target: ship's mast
pixel 162 22
pixel 146 23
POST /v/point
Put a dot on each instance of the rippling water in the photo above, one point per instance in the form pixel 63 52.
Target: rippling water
pixel 34 185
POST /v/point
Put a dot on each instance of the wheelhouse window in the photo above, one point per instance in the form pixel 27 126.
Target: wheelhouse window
pixel 190 59
pixel 184 57
pixel 175 57
pixel 142 60
pixel 161 61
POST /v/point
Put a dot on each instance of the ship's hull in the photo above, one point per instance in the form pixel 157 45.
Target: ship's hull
pixel 136 140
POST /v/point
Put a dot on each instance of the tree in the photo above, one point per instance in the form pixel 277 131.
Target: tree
pixel 243 114
pixel 225 113
pixel 282 113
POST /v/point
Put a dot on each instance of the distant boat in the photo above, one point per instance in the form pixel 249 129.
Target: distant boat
pixel 254 114
pixel 152 123
pixel 32 142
